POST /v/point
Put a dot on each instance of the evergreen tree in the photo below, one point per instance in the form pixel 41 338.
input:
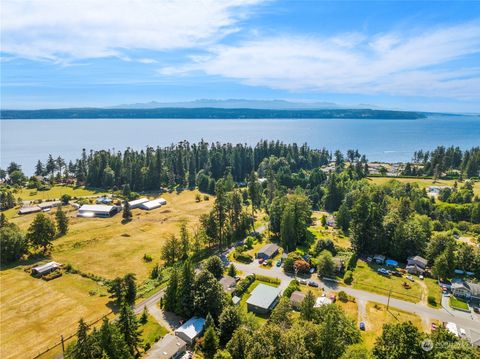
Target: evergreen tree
pixel 185 291
pixel 307 311
pixel 228 322
pixel 116 289
pixel 254 192
pixel 62 221
pixel 39 169
pixel 184 240
pixel 171 250
pixel 169 301
pixel 343 218
pixel 210 343
pixel 84 348
pixel 208 297
pixel 127 212
pixel 399 341
pixel 112 342
pixel 128 326
pixel 41 232
pixel 232 271
pixel 130 288
pixel 215 266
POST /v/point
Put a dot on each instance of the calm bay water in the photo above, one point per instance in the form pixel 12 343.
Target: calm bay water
pixel 26 141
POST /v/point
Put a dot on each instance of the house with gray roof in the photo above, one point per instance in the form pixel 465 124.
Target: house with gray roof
pixel 466 290
pixel 263 299
pixel 297 298
pixel 169 347
pixel 268 251
pixel 416 265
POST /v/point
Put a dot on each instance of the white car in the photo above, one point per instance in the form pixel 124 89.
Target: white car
pixel 303 281
pixel 410 278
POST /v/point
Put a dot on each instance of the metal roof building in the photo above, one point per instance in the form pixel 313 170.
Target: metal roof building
pixel 96 210
pixel 268 251
pixel 45 268
pixel 151 204
pixel 137 203
pixel 168 347
pixel 263 299
pixel 28 210
pixel 191 329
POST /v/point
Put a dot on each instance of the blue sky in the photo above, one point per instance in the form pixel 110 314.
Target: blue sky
pixel 421 55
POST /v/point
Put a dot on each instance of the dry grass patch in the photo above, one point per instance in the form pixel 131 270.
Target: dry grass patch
pixel 108 248
pixel 34 313
pixel 56 192
pixel 377 315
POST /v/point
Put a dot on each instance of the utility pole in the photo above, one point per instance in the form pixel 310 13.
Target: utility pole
pixel 63 346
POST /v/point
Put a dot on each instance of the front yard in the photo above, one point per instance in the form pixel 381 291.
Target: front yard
pixel 365 277
pixel 458 304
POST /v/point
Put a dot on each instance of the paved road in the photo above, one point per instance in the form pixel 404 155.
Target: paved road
pixel 425 312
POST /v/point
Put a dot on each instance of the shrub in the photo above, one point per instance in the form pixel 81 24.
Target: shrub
pixel 301 266
pixel 264 278
pixel 249 242
pixel 292 287
pixel 65 198
pixel 327 244
pixel 198 198
pixel 206 198
pixel 243 285
pixel 52 275
pixel 146 347
pixel 352 262
pixel 147 257
pixel 343 296
pixel 432 301
pixel 242 257
pixel 348 277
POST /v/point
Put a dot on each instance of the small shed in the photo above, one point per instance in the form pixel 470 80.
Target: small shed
pixel 268 251
pixel 191 329
pixel 297 298
pixel 379 258
pixel 263 299
pixel 45 269
pixel 170 346
pixel 236 300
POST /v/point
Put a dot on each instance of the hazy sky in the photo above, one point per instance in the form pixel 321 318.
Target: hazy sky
pixel 421 55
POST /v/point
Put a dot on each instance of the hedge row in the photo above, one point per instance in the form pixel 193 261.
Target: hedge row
pixel 244 284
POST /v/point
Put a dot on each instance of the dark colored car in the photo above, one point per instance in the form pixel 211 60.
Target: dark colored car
pixel 311 283
pixel 362 326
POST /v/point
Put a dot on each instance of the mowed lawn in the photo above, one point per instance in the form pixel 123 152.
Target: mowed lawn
pixel 34 313
pixel 365 277
pixel 423 183
pixel 377 315
pixel 108 248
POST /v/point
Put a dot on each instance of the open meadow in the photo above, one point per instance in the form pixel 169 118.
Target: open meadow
pixel 422 182
pixel 34 313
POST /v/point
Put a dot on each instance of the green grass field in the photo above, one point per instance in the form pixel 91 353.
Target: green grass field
pixel 422 183
pixel 434 291
pixel 365 277
pixel 34 313
pixel 56 192
pixel 151 331
pixel 457 303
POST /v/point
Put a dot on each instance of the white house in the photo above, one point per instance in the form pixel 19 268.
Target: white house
pixel 45 268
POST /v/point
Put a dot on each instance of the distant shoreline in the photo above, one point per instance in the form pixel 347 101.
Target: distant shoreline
pixel 208 113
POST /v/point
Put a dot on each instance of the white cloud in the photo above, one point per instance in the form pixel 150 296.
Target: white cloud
pixel 392 63
pixel 63 30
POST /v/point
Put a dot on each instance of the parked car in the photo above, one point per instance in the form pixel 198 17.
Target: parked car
pixel 397 273
pixel 312 270
pixel 362 326
pixel 420 277
pixel 260 260
pixel 434 326
pixel 279 263
pixel 311 283
pixel 410 278
pixel 382 271
pixel 333 297
pixel 237 278
pixel 303 281
pixel 476 309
